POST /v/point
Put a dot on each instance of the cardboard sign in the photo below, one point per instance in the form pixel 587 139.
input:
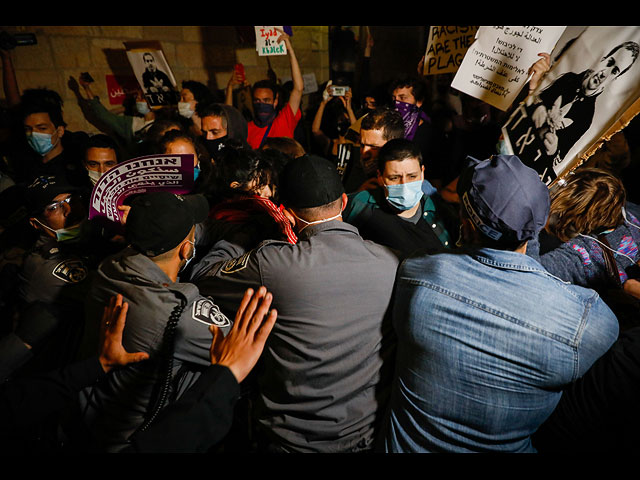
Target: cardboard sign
pixel 495 67
pixel 267 41
pixel 590 93
pixel 171 173
pixel 446 48
pixel 153 73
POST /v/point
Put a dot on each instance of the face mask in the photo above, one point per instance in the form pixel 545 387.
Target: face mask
pixel 405 195
pixel 94 176
pixel 193 255
pixel 41 142
pixel 196 172
pixel 184 109
pixel 264 114
pixel 64 234
pixel 214 146
pixel 411 115
pixel 143 108
pixel 316 221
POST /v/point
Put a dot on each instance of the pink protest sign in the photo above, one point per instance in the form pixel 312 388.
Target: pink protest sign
pixel 170 173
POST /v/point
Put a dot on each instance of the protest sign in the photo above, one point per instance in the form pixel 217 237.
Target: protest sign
pixel 171 173
pixel 267 41
pixel 590 93
pixel 119 87
pixel 446 48
pixel 153 73
pixel 495 67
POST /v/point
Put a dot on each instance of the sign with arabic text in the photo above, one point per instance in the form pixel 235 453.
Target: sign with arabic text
pixel 119 87
pixel 495 67
pixel 171 173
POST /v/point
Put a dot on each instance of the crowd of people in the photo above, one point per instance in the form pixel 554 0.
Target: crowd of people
pixel 369 275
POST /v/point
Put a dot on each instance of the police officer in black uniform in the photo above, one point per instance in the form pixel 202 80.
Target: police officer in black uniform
pixel 53 280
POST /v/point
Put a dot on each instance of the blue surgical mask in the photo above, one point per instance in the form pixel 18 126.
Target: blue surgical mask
pixel 41 142
pixel 405 195
pixel 143 108
pixel 185 110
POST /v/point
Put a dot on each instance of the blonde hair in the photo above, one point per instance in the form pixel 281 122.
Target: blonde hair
pixel 591 200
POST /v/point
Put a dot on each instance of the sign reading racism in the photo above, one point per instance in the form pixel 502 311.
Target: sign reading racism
pixel 495 66
pixel 172 173
pixel 589 94
pixel 153 73
pixel 446 48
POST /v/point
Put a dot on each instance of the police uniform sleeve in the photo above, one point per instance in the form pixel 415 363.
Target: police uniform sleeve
pixel 198 420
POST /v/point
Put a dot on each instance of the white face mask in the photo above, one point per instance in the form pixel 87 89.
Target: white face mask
pixel 185 110
pixel 316 221
pixel 94 176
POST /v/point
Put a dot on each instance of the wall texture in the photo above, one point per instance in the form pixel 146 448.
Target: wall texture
pixel 203 53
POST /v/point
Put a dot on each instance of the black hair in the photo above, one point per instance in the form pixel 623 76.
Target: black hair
pixel 200 91
pixel 388 121
pixel 632 47
pixel 242 165
pixel 100 140
pixel 213 110
pixel 42 100
pixel 417 85
pixel 398 149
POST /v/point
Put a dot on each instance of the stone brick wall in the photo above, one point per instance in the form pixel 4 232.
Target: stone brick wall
pixel 206 54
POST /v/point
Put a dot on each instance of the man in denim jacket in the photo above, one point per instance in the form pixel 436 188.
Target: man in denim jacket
pixel 487 338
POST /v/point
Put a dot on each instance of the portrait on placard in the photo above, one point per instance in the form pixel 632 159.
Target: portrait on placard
pixel 153 74
pixel 593 82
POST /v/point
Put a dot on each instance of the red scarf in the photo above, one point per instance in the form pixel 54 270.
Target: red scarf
pixel 240 209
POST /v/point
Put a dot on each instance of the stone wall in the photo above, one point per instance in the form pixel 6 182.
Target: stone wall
pixel 206 54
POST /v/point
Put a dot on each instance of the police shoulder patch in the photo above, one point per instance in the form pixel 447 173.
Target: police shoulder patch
pixel 70 271
pixel 207 312
pixel 235 264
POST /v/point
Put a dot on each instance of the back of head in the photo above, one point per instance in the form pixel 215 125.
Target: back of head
pixel 589 201
pixel 388 121
pixel 310 182
pixel 504 199
pixel 286 145
pixel 246 167
pixel 159 221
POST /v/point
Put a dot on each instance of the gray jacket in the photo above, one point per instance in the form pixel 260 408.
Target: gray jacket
pixel 328 361
pixel 117 406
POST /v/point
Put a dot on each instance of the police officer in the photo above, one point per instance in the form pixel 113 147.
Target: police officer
pixel 325 370
pixel 52 282
pixel 168 319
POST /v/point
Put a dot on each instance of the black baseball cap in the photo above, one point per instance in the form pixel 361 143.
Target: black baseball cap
pixel 310 181
pixel 44 189
pixel 159 221
pixel 504 198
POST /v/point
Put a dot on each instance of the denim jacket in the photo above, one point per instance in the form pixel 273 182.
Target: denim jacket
pixel 487 339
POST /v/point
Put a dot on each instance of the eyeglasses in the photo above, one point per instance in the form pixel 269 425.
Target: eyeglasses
pixel 53 207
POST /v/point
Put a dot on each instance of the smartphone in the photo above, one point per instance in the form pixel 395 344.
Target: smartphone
pixel 86 77
pixel 239 69
pixel 338 91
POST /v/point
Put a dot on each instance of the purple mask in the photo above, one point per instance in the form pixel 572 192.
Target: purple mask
pixel 411 116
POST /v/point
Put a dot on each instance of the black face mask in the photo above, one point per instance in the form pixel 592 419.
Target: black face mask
pixel 216 145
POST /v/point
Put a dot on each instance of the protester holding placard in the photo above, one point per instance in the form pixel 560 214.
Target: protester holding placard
pixel 271 117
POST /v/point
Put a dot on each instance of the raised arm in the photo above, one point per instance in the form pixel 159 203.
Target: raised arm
pixel 298 83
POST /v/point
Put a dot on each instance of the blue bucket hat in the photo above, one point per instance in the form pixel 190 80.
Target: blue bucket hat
pixel 505 199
